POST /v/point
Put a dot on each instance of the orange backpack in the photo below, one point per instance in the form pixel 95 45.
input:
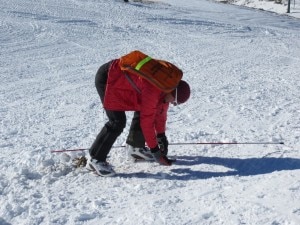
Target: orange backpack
pixel 164 75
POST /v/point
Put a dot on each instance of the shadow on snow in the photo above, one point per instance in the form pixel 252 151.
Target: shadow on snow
pixel 235 167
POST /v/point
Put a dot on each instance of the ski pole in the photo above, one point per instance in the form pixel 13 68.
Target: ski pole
pixel 69 150
pixel 183 143
pixel 227 143
pixel 79 149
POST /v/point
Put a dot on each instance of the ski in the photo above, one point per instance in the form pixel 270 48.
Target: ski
pixel 141 1
pixel 135 160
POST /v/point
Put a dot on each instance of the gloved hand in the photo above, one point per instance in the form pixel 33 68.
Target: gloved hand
pixel 163 143
pixel 160 157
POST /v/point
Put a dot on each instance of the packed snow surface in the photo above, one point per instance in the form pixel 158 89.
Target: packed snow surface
pixel 243 66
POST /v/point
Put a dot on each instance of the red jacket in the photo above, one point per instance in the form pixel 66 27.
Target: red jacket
pixel 121 95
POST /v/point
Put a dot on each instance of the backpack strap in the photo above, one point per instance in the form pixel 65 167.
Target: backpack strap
pixel 132 83
pixel 142 62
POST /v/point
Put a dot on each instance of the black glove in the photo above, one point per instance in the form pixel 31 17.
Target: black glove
pixel 160 157
pixel 163 143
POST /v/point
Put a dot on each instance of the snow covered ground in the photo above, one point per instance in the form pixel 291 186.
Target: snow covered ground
pixel 277 6
pixel 243 66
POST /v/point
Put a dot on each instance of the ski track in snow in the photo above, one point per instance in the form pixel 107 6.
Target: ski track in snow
pixel 243 66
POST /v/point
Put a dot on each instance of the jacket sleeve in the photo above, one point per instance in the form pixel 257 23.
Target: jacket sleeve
pixel 150 97
pixel 161 118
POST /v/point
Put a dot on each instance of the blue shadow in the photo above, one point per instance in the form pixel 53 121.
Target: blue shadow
pixel 236 167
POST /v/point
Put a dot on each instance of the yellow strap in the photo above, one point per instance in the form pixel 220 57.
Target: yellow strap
pixel 142 62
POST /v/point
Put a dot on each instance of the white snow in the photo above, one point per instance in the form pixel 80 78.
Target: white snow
pixel 277 6
pixel 243 66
